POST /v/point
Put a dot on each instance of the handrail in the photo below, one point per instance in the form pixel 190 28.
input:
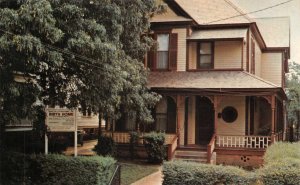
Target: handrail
pixel 172 147
pixel 116 177
pixel 211 148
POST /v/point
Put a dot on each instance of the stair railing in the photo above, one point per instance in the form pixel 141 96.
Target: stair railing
pixel 211 148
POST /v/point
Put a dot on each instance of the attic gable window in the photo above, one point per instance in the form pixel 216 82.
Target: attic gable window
pixel 164 57
pixel 205 55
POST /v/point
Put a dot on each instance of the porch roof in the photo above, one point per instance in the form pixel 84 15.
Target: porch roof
pixel 208 80
pixel 218 34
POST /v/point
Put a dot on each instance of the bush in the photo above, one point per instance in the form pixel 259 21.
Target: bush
pixel 155 148
pixel 56 169
pixel 106 146
pixel 281 172
pixel 134 138
pixel 281 151
pixel 14 168
pixel 181 173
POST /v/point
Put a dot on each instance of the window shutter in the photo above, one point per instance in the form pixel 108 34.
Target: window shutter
pixel 151 58
pixel 173 51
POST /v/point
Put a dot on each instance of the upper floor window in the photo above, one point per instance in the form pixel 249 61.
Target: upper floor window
pixel 162 54
pixel 205 55
pixel 165 55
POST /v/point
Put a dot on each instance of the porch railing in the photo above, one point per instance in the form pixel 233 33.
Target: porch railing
pixel 279 136
pixel 124 137
pixel 253 142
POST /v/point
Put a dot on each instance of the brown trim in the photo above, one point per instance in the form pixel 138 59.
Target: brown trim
pixel 216 39
pixel 187 63
pixel 257 35
pixel 278 49
pixel 248 51
pixel 221 69
pixel 242 151
pixel 242 61
pixel 170 24
pixel 212 54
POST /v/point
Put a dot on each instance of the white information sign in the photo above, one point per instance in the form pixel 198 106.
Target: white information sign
pixel 61 120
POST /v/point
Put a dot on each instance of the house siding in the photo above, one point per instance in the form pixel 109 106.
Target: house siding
pixel 192 55
pixel 228 54
pixel 238 126
pixel 272 67
pixel 181 54
pixel 258 54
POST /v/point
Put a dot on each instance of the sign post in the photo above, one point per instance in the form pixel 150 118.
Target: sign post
pixel 61 120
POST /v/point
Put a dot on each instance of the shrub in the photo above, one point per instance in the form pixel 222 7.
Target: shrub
pixel 106 146
pixel 14 168
pixel 281 151
pixel 56 169
pixel 155 148
pixel 181 173
pixel 134 138
pixel 281 172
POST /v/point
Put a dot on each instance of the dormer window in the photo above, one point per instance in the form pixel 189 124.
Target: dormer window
pixel 162 51
pixel 205 55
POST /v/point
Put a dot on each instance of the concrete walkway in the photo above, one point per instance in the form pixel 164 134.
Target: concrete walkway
pixel 153 179
pixel 85 150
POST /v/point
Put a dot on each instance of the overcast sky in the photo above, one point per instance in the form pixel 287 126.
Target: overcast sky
pixel 291 9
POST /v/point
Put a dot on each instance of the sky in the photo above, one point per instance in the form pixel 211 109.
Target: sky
pixel 291 9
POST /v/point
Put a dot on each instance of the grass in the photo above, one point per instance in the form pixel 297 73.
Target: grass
pixel 132 171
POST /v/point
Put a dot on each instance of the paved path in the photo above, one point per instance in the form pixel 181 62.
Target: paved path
pixel 86 149
pixel 153 179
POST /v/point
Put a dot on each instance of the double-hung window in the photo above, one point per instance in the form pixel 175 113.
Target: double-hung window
pixel 205 55
pixel 162 51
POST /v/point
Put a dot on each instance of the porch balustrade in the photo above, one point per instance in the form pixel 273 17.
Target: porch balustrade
pixel 124 137
pixel 252 142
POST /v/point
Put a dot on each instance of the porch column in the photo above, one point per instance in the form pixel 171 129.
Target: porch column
pixel 273 106
pixel 216 105
pixel 180 119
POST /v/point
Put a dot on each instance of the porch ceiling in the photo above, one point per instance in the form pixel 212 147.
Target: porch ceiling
pixel 218 34
pixel 208 80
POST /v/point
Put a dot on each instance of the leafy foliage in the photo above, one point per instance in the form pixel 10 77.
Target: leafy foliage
pixel 276 152
pixel 105 146
pixel 73 53
pixel 55 169
pixel 155 148
pixel 134 138
pixel 181 173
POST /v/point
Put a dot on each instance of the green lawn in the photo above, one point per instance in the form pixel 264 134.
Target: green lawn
pixel 133 171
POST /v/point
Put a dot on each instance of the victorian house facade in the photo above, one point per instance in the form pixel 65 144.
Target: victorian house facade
pixel 221 75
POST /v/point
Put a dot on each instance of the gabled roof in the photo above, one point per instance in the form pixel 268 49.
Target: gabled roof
pixel 213 11
pixel 208 80
pixel 275 31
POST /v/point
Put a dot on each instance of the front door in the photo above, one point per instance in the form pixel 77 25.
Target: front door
pixel 204 120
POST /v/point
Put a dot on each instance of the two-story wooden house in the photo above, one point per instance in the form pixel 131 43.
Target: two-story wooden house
pixel 221 75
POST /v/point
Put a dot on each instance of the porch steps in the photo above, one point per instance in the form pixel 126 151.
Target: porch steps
pixel 194 155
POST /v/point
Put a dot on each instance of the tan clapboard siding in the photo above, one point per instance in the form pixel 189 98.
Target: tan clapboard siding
pixel 191 120
pixel 238 126
pixel 272 67
pixel 228 54
pixel 257 59
pixel 181 54
pixel 192 55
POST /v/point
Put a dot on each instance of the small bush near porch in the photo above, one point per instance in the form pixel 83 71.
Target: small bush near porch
pixel 282 167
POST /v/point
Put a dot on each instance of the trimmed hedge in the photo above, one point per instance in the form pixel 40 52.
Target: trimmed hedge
pixel 285 172
pixel 181 173
pixel 56 169
pixel 282 167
